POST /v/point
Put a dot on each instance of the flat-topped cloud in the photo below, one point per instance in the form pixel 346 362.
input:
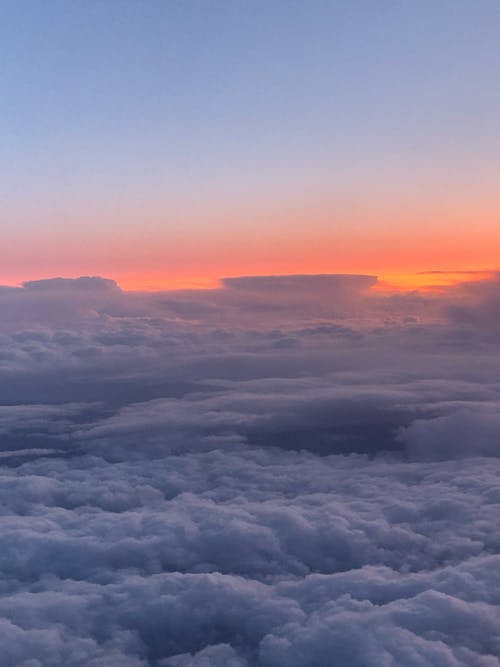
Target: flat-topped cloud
pixel 293 283
pixel 86 283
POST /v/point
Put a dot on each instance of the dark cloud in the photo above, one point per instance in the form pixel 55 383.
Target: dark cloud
pixel 310 284
pixel 280 471
pixel 84 283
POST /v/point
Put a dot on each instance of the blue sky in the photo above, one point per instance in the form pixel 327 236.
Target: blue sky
pixel 115 110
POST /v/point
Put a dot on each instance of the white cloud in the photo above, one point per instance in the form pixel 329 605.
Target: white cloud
pixel 276 472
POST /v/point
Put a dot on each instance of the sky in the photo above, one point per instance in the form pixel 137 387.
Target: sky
pixel 174 143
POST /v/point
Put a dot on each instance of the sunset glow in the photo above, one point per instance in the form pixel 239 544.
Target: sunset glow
pixel 376 151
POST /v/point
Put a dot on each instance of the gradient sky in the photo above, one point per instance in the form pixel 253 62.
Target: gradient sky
pixel 167 143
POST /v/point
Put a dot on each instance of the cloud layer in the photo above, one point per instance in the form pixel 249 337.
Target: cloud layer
pixel 282 471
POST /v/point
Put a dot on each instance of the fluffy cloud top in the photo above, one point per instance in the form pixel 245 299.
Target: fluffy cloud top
pixel 282 471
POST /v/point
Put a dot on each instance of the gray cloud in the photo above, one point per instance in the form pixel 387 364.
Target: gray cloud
pixel 280 471
pixel 253 555
pixel 473 430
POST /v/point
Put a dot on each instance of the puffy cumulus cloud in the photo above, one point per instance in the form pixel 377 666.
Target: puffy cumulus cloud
pixel 473 430
pixel 56 301
pixel 280 471
pixel 300 295
pixel 473 309
pixel 251 556
pixel 221 654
